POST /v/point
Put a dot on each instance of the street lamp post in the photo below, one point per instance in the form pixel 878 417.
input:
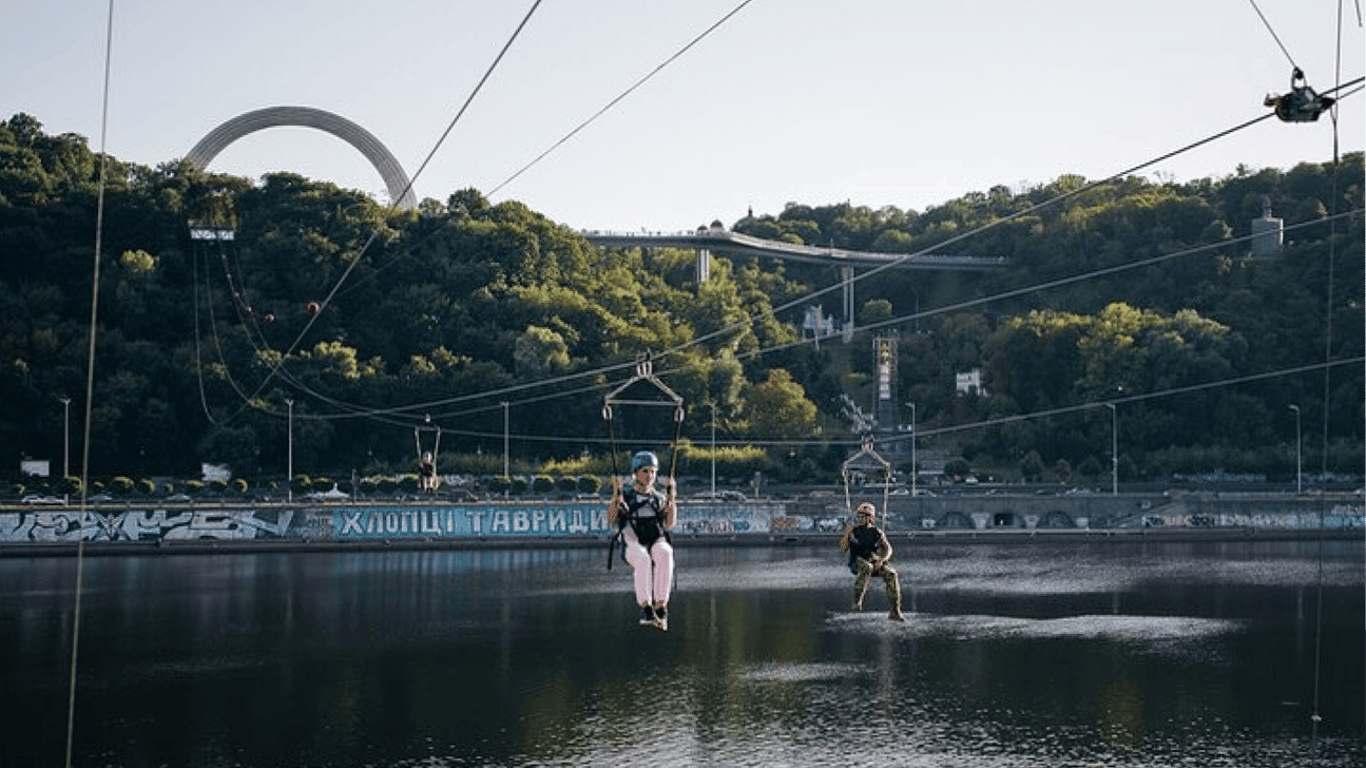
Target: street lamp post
pixel 915 469
pixel 713 450
pixel 1114 450
pixel 1299 474
pixel 289 451
pixel 505 440
pixel 66 436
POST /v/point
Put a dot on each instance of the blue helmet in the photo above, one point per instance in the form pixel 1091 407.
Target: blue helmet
pixel 643 459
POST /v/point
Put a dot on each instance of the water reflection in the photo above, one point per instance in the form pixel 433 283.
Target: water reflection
pixel 1057 655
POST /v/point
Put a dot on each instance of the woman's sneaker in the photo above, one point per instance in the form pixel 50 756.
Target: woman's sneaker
pixel 647 615
pixel 662 617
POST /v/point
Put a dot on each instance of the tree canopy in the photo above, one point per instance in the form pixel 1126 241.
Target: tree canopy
pixel 230 310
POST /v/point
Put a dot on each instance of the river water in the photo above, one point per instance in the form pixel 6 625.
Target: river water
pixel 1029 654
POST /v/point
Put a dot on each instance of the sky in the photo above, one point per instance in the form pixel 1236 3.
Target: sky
pixel 904 103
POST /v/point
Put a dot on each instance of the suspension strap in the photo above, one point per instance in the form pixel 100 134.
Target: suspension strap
pixel 644 373
pixel 673 449
pixel 868 457
pixel 616 481
pixel 417 438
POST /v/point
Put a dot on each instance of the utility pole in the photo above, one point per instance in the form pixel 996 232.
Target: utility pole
pixel 1114 450
pixel 915 437
pixel 1299 474
pixel 713 450
pixel 289 451
pixel 66 436
pixel 505 440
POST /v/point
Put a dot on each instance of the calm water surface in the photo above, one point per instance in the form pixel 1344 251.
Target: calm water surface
pixel 1047 655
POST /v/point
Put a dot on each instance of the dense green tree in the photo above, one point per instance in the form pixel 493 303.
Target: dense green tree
pixel 370 318
pixel 778 408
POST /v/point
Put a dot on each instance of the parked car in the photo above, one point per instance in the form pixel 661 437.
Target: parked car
pixel 332 494
pixel 719 496
pixel 34 498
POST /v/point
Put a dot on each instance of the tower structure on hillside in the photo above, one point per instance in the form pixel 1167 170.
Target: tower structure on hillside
pixel 886 400
pixel 1267 233
pixel 884 376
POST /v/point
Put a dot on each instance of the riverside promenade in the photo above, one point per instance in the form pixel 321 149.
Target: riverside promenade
pixel 222 525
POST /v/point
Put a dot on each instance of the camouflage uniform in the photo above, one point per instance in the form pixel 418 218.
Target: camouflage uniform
pixel 869 550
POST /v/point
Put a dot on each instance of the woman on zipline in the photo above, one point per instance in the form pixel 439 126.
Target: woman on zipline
pixel 643 516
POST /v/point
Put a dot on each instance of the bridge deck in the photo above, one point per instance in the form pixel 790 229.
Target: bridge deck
pixel 723 241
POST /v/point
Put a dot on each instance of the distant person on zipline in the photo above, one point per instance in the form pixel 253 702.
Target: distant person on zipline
pixel 643 516
pixel 426 474
pixel 869 550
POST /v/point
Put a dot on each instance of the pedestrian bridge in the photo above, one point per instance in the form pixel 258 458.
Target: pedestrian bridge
pixel 724 241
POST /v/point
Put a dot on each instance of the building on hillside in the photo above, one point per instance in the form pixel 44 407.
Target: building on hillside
pixel 970 383
pixel 817 325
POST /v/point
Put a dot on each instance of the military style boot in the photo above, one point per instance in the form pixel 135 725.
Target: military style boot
pixel 859 588
pixel 894 599
pixel 860 585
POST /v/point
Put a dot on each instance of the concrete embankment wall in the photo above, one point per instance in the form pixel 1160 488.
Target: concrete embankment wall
pixel 583 523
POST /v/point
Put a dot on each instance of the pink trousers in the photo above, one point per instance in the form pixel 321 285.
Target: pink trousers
pixel 654 568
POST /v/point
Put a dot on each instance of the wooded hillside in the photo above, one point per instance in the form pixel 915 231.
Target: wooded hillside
pixel 229 309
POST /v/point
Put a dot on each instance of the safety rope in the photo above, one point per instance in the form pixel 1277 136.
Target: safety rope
pixel 616 482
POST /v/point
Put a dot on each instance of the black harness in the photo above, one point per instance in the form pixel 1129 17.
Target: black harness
pixel 644 512
pixel 863 542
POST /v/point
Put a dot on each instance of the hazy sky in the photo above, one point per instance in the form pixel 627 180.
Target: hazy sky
pixel 905 103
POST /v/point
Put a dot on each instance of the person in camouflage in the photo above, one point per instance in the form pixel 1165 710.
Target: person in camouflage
pixel 869 553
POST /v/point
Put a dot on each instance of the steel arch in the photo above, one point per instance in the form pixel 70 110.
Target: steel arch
pixel 395 179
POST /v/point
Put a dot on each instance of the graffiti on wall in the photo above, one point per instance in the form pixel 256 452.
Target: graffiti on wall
pixel 347 522
pixel 469 520
pixel 1338 517
pixel 58 526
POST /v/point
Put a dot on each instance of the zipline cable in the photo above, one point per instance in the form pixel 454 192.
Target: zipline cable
pixel 89 385
pixel 1274 36
pixel 738 326
pixel 362 411
pixel 1316 715
pixel 677 54
pixel 374 234
pixel 591 119
pixel 982 424
pixel 980 301
pixel 986 227
pixel 470 99
pixel 525 387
